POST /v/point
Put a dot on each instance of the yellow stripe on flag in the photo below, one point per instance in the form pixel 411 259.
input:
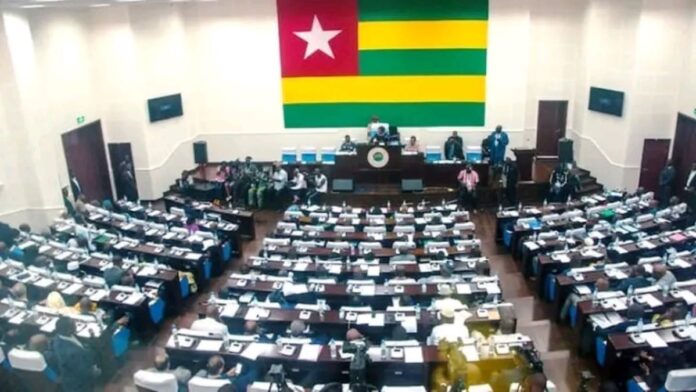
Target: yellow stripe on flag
pixel 449 34
pixel 356 89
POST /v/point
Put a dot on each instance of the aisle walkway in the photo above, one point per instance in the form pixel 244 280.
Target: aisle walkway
pixel 556 345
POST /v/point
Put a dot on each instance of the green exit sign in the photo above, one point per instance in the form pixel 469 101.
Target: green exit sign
pixel 80 120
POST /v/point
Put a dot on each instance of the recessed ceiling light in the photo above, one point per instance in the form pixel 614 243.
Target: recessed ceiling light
pixel 33 6
pixel 99 5
pixel 47 1
pixel 128 1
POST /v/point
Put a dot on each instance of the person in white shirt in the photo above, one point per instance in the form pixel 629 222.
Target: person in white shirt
pixel 299 184
pixel 279 177
pixel 321 187
pixel 449 330
pixel 210 322
pixel 374 126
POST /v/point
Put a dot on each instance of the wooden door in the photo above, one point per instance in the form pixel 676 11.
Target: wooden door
pixel 121 160
pixel 551 126
pixel 86 157
pixel 655 155
pixel 683 151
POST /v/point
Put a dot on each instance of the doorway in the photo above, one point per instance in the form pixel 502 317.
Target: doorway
pixel 551 126
pixel 655 155
pixel 85 156
pixel 683 151
pixel 123 171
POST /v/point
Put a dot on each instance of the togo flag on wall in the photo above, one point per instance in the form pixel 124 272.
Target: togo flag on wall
pixel 412 62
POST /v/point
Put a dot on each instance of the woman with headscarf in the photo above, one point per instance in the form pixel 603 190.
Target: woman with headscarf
pixel 56 302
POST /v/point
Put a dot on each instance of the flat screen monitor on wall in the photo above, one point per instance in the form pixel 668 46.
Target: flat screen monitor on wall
pixel 606 101
pixel 162 108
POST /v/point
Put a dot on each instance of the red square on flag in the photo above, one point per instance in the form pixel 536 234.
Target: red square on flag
pixel 318 37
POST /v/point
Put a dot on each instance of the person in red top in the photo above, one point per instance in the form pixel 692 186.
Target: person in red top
pixel 468 180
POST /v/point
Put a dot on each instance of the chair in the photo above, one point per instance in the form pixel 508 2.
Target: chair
pixel 146 381
pixel 349 215
pixel 288 155
pixel 177 211
pixel 287 226
pixel 200 384
pixel 404 245
pixel 473 154
pixel 307 244
pixel 369 245
pixel 437 245
pixel 344 229
pixel 32 370
pixel 548 235
pixel 431 228
pixel 376 217
pixel 338 245
pixel 404 229
pixel 376 229
pixel 432 215
pixel 276 241
pixel 550 218
pixel 644 218
pixel 119 341
pixel 460 214
pixel 465 226
pixel 308 155
pixel 315 228
pixel 291 215
pixel 319 215
pixel 328 155
pixel 400 215
pixel 433 153
pixel 157 306
pixel 681 380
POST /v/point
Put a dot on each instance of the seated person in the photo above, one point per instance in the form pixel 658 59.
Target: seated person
pixel 602 284
pixel 162 366
pixel 215 369
pixel 184 182
pixel 347 145
pixel 412 145
pixel 454 147
pixel 637 279
pixel 400 276
pixel 18 292
pixel 373 127
pixel 210 323
pixel 114 274
pixel 449 330
pixel 381 137
pixel 667 319
pixel 664 277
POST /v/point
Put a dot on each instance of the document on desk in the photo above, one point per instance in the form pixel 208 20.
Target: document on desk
pixel 654 340
pixel 193 256
pixel 72 289
pixel 134 299
pixel 98 296
pixel 463 288
pixel 470 352
pixel 373 271
pixel 620 250
pixel 50 326
pixel 531 245
pixel 300 266
pixel 651 301
pixel 413 355
pixel 410 324
pixel 680 263
pixel 425 267
pixel 377 320
pixel 561 258
pixel 230 310
pixel 688 297
pixel 363 319
pixel 44 282
pixel 209 345
pixel 253 351
pixel 367 290
pixel 310 352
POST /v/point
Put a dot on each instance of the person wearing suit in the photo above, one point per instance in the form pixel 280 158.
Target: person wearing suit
pixel 691 189
pixel 69 207
pixel 76 364
pixel 454 147
pixel 497 142
pixel 666 182
pixel 510 176
pixel 162 366
pixel 75 185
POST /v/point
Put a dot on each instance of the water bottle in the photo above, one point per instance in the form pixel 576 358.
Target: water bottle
pixel 418 311
pixel 519 206
pixel 640 325
pixel 175 334
pixel 388 205
pixel 629 294
pixel 149 205
pixel 568 201
pixel 443 202
pixel 424 288
pixel 321 315
pixel 344 204
pixel 383 350
pixel 332 349
pixel 687 318
pixel 545 202
pixel 265 252
pixel 403 204
pixel 595 300
pixel 213 298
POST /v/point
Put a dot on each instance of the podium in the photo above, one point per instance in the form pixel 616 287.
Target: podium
pixel 525 158
pixel 379 165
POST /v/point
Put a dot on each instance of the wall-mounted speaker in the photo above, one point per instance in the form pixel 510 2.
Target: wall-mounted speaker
pixel 200 152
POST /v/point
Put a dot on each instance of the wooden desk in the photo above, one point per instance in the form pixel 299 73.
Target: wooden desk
pixel 243 218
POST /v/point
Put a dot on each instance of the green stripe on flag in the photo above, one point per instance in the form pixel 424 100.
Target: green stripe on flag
pixel 332 115
pixel 423 62
pixel 374 10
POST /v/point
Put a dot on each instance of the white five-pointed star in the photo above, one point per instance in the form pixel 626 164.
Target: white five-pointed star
pixel 318 39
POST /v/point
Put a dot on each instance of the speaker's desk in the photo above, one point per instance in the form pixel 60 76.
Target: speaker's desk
pixel 389 165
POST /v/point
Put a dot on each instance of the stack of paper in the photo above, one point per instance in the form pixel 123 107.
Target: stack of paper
pixel 413 355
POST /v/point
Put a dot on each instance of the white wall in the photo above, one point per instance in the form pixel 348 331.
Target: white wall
pixel 104 63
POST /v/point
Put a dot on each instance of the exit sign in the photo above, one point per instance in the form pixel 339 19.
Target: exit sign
pixel 80 120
